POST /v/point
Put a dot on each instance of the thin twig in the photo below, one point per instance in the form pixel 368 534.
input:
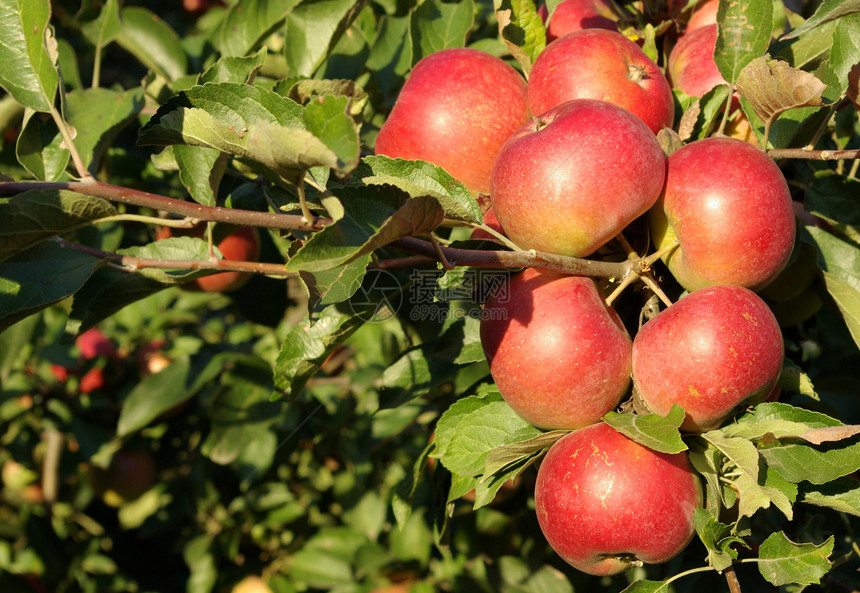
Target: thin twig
pixel 114 193
pixel 813 155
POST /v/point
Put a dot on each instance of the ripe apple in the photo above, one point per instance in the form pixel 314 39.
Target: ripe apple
pixel 573 15
pixel 728 205
pixel 559 356
pixel 570 180
pixel 605 65
pixel 604 502
pixel 691 66
pixel 131 473
pixel 251 584
pixel 455 110
pixel 241 244
pixel 704 14
pixel 714 350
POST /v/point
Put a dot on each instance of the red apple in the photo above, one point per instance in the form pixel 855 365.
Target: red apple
pixel 605 503
pixel 728 205
pixel 714 350
pixel 93 343
pixel 242 244
pixel 703 15
pixel 559 356
pixel 131 473
pixel 455 110
pixel 605 65
pixel 572 179
pixel 691 65
pixel 573 15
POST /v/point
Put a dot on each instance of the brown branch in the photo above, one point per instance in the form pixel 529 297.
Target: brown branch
pixel 222 265
pixel 125 195
pixel 478 258
pixel 732 580
pixel 813 155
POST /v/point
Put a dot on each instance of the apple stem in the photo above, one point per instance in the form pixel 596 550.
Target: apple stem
pixel 505 241
pixel 726 112
pixel 629 279
pixel 307 216
pixel 636 72
pixel 666 250
pixel 441 254
pixel 655 288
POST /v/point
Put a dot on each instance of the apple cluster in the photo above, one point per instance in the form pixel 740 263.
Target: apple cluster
pixel 570 158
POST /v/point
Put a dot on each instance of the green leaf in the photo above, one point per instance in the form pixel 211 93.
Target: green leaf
pixel 160 392
pixel 391 56
pixel 242 409
pixel 307 345
pixel 840 264
pixel 783 562
pixel 39 277
pixel 646 586
pixel 420 178
pixel 842 495
pixel 374 223
pixel 311 29
pixel 845 53
pixel 515 453
pixel 151 40
pixel 248 22
pixel 792 378
pixel 339 283
pixel 234 69
pixel 818 465
pixel 249 122
pixel 473 427
pixel 827 11
pixel 718 538
pixel 777 420
pixel 98 115
pixel 744 34
pixel 29 71
pixel 328 119
pixel 833 198
pixel 35 216
pixel 106 27
pixel 652 430
pixel 109 290
pixel 200 171
pixel 438 25
pixel 40 147
pixel 754 491
pixel 522 30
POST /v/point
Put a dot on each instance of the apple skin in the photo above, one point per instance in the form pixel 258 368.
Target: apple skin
pixel 604 501
pixel 251 584
pixel 604 65
pixel 559 356
pixel 729 207
pixel 714 350
pixel 574 15
pixel 572 179
pixel 131 473
pixel 691 66
pixel 455 110
pixel 703 15
pixel 242 244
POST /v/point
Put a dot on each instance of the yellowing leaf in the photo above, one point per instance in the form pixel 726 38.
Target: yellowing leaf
pixel 773 87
